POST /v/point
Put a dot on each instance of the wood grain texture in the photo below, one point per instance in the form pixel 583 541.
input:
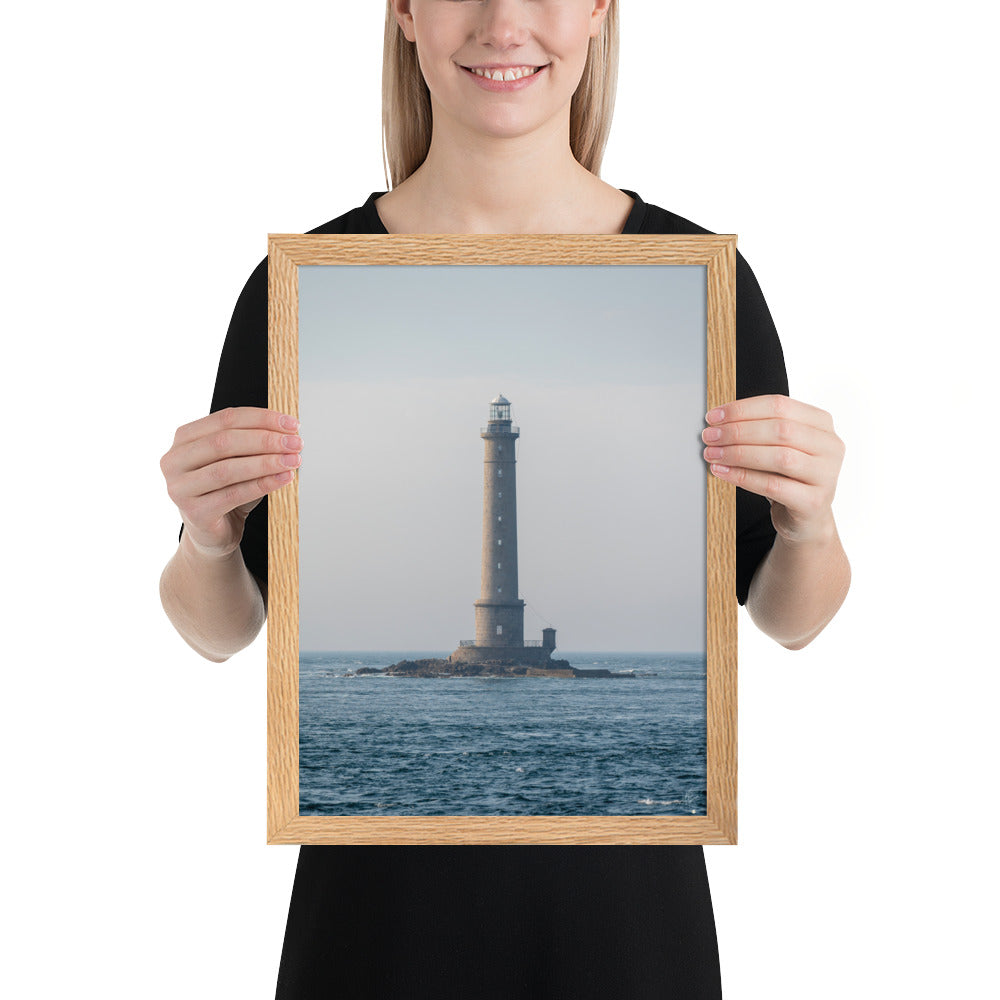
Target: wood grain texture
pixel 438 248
pixel 501 830
pixel 286 252
pixel 720 554
pixel 283 555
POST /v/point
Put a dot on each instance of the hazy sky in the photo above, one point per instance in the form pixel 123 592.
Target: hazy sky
pixel 604 368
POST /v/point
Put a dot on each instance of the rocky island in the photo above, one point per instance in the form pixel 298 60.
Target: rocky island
pixel 452 668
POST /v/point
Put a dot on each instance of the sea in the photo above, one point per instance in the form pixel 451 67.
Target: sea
pixel 373 745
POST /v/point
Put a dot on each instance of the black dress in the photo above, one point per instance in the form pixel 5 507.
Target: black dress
pixel 505 922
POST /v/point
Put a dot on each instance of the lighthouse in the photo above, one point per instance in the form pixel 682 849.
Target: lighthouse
pixel 500 610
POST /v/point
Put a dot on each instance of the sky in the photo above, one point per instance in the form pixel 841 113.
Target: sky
pixel 604 367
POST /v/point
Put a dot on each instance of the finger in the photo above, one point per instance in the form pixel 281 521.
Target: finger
pixel 225 444
pixel 788 462
pixel 236 417
pixel 779 489
pixel 782 433
pixel 230 472
pixel 770 407
pixel 212 507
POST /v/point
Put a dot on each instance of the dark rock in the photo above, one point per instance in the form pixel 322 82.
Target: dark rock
pixel 447 668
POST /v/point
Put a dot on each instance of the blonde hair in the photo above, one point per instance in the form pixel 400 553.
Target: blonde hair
pixel 406 101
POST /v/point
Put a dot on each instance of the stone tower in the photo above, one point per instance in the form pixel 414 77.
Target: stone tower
pixel 499 612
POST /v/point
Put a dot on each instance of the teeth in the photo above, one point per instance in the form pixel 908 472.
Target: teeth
pixel 514 73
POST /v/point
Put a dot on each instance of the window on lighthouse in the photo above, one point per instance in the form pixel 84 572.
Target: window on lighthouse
pixel 499 541
pixel 499 472
pixel 499 629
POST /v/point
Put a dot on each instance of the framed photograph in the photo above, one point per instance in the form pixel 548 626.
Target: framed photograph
pixel 501 588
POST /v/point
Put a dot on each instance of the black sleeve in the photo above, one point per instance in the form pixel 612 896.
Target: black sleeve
pixel 242 381
pixel 760 370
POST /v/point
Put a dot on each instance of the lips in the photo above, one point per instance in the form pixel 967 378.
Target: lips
pixel 515 83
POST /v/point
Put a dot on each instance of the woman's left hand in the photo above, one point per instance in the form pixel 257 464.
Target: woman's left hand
pixel 784 450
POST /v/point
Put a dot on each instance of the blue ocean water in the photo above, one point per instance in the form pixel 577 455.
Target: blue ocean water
pixel 499 746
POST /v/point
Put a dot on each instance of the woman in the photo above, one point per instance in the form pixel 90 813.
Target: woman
pixel 496 113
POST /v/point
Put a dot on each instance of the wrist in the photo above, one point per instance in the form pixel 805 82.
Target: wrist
pixel 819 534
pixel 197 552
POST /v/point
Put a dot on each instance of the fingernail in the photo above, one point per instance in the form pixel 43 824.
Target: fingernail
pixel 291 460
pixel 711 434
pixel 720 470
pixel 714 416
pixel 285 477
pixel 711 453
pixel 292 442
pixel 288 423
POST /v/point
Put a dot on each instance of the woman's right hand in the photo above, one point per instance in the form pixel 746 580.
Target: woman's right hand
pixel 221 466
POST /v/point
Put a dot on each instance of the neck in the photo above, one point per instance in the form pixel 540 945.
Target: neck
pixel 477 183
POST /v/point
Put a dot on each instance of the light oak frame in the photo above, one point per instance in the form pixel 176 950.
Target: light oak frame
pixel 284 824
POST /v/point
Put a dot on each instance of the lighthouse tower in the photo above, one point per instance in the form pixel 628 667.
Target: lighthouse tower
pixel 499 612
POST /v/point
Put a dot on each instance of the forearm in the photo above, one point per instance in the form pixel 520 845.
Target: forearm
pixel 799 587
pixel 213 601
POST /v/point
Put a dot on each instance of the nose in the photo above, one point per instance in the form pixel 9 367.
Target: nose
pixel 504 23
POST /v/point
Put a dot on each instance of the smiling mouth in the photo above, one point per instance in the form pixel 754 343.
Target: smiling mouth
pixel 504 74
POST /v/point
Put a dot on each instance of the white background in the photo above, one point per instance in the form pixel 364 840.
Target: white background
pixel 150 149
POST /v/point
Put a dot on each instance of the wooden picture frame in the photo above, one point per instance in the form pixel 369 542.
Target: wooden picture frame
pixel 285 825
